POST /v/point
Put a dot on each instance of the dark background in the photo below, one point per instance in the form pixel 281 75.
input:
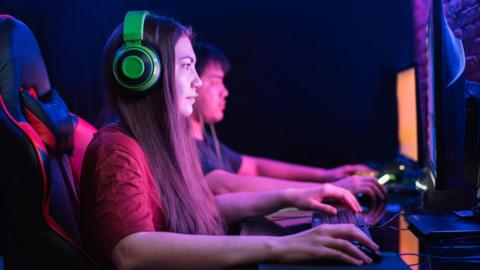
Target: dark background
pixel 311 81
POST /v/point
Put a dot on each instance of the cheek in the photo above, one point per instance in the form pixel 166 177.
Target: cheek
pixel 204 98
pixel 182 86
pixel 178 84
pixel 212 98
pixel 206 105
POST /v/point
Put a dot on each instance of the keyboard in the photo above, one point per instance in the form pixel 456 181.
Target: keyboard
pixel 343 216
pixel 347 216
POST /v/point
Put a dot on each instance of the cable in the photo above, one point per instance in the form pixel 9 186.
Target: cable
pixel 388 227
pixel 388 221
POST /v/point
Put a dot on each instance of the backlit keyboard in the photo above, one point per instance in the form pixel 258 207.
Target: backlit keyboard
pixel 343 216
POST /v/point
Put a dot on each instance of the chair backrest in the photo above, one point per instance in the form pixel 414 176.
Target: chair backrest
pixel 39 195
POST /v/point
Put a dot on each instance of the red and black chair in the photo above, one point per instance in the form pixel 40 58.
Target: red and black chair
pixel 42 147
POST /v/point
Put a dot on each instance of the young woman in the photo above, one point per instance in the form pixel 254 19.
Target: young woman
pixel 144 202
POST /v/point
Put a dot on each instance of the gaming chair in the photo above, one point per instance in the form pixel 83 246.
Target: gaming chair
pixel 42 146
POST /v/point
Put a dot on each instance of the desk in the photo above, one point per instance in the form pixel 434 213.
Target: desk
pixel 393 237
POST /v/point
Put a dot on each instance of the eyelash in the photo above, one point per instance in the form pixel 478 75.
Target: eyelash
pixel 187 66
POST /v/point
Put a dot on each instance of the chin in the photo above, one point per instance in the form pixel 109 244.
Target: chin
pixel 186 112
pixel 218 118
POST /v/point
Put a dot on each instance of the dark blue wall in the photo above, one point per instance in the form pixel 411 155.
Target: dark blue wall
pixel 312 81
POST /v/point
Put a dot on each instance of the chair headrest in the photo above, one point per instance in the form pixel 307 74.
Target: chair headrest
pixel 22 67
pixel 21 64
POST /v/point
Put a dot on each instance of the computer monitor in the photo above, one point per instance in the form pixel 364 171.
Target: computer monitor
pixel 408 131
pixel 472 138
pixel 445 126
pixel 445 121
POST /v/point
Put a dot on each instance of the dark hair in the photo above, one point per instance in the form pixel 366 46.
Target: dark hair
pixel 154 121
pixel 208 54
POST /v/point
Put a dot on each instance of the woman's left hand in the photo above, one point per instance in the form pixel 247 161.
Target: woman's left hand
pixel 313 198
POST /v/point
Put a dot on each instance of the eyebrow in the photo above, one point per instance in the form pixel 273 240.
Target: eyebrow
pixel 188 57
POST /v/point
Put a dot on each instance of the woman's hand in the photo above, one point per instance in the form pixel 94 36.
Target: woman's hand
pixel 326 242
pixel 312 198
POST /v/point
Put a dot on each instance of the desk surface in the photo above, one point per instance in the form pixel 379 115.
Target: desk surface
pixel 393 236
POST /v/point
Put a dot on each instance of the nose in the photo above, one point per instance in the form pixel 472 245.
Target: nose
pixel 197 82
pixel 224 91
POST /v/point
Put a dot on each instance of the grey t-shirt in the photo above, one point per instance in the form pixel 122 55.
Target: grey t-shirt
pixel 209 159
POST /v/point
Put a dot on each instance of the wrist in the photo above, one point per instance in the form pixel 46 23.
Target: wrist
pixel 277 248
pixel 325 175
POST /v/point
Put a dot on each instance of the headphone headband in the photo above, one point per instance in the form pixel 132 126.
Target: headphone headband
pixel 133 25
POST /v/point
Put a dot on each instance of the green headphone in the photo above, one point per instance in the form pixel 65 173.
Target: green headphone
pixel 135 66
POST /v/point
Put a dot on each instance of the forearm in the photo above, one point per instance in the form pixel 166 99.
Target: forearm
pixel 234 207
pixel 224 182
pixel 163 250
pixel 284 170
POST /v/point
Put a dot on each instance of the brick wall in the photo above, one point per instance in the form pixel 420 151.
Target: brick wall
pixel 463 16
pixel 420 17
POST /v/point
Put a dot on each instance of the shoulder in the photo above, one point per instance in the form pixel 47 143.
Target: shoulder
pixel 113 138
pixel 114 155
pixel 113 146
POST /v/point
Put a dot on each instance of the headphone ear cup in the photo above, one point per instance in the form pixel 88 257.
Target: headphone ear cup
pixel 136 68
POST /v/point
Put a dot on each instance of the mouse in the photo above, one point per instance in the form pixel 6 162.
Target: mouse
pixel 375 255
